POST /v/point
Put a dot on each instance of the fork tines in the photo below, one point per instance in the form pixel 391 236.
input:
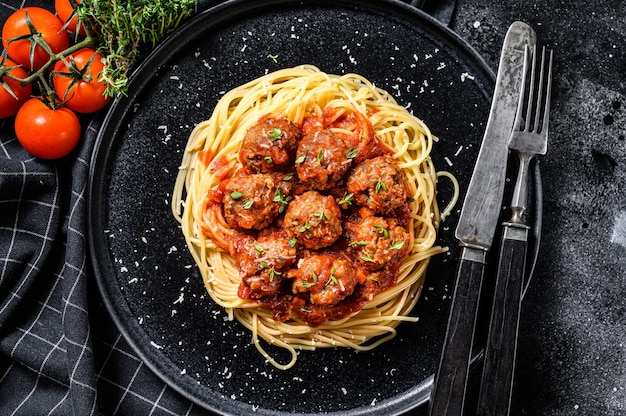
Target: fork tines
pixel 535 109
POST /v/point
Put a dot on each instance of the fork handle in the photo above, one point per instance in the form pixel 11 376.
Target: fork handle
pixel 499 364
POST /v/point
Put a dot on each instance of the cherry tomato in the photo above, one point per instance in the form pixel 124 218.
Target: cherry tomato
pixel 8 103
pixel 48 27
pixel 45 132
pixel 86 94
pixel 65 10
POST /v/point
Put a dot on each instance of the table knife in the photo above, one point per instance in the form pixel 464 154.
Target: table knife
pixel 477 225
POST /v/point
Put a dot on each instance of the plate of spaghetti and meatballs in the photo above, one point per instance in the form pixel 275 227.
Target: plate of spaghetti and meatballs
pixel 269 217
pixel 311 209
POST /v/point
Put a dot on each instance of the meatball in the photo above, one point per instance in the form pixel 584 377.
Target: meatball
pixel 313 219
pixel 321 159
pixel 269 145
pixel 250 201
pixel 262 262
pixel 271 250
pixel 327 279
pixel 378 242
pixel 378 183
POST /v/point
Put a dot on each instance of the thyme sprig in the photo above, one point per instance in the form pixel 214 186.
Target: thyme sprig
pixel 125 30
pixel 122 31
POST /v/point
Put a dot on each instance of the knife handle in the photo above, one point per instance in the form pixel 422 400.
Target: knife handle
pixel 499 363
pixel 448 394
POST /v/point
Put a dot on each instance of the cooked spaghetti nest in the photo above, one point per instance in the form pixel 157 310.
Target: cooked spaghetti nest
pixel 211 157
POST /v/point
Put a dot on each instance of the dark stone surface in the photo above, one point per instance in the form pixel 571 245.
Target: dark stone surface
pixel 572 347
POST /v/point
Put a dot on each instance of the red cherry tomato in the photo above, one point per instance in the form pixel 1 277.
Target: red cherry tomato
pixel 8 103
pixel 65 10
pixel 45 23
pixel 85 95
pixel 45 132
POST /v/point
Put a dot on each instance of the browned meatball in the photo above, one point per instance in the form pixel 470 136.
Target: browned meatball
pixel 269 146
pixel 321 159
pixel 313 219
pixel 378 183
pixel 249 201
pixel 271 250
pixel 327 279
pixel 378 242
pixel 263 261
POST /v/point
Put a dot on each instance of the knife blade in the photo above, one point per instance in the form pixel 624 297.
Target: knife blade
pixel 477 224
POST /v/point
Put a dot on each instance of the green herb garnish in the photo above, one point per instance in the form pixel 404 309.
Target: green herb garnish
pixel 275 134
pixel 380 186
pixel 352 152
pixel 346 199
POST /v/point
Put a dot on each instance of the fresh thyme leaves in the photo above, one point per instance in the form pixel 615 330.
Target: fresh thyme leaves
pixel 380 186
pixel 236 195
pixel 300 159
pixel 279 197
pixel 293 242
pixel 308 284
pixel 357 243
pixel 124 31
pixel 381 230
pixel 320 216
pixel 367 257
pixel 269 159
pixel 259 248
pixel 398 245
pixel 247 204
pixel 320 156
pixel 374 279
pixel 273 273
pixel 275 134
pixel 351 153
pixel 332 276
pixel 346 199
pixel 305 227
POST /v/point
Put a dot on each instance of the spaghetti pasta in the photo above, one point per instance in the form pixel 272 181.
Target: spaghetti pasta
pixel 259 260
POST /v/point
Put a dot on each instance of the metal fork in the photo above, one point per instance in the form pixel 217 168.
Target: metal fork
pixel 529 138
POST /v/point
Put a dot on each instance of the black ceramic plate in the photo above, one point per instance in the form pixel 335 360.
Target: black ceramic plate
pixel 146 275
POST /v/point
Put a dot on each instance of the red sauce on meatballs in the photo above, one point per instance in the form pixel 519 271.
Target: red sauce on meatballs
pixel 319 216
